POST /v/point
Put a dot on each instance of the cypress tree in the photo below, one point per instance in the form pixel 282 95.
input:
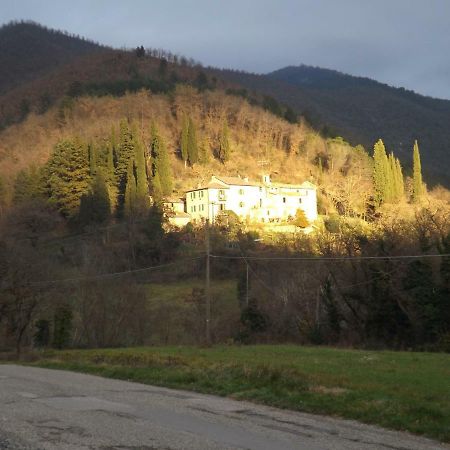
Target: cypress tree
pixel 392 182
pixel 125 153
pixel 418 188
pixel 224 143
pixel 192 143
pixel 400 181
pixel 204 151
pixel 380 173
pixel 156 189
pixel 184 140
pixel 160 165
pixel 93 158
pixel 142 198
pixel 3 195
pixel 130 191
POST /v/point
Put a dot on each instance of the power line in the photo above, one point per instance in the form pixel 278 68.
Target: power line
pixel 330 258
pixel 111 275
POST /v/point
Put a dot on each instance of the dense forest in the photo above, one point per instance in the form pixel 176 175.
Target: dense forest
pixel 88 258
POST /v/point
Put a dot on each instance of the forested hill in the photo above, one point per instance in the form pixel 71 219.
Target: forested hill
pixel 29 50
pixel 42 67
pixel 362 110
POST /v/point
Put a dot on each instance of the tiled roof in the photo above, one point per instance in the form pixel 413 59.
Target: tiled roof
pixel 210 185
pixel 236 181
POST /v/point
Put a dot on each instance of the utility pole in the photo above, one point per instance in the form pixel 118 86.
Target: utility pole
pixel 208 285
pixel 246 284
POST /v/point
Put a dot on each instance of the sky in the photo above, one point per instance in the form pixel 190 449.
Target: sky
pixel 399 42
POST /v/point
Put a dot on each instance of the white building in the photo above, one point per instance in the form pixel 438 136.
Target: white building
pixel 252 201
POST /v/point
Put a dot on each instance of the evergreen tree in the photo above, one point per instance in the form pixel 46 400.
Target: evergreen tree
pixel 92 151
pixel 184 140
pixel 418 188
pixel 204 151
pixel 192 143
pixel 224 143
pixel 95 207
pixel 399 177
pixel 69 178
pixel 380 173
pixel 160 165
pixel 142 198
pixel 392 180
pixel 130 191
pixel 125 153
pixel 26 185
pixel 3 196
pixel 156 189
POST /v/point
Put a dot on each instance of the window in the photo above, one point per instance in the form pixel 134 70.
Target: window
pixel 194 208
pixel 299 200
pixel 284 199
pixel 260 202
pixel 241 191
pixel 241 204
pixel 222 207
pixel 260 189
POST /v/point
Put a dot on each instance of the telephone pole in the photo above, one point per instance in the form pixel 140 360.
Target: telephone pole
pixel 208 285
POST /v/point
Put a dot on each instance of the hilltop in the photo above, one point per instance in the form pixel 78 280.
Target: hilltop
pixel 44 66
pixel 362 110
pixel 29 50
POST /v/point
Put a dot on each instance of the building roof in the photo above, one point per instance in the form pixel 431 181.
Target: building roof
pixel 220 182
pixel 236 181
pixel 304 185
pixel 173 200
pixel 210 185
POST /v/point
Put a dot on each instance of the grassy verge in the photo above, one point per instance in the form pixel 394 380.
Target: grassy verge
pixel 398 390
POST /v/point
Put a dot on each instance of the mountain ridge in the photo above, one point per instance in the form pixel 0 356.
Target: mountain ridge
pixel 360 109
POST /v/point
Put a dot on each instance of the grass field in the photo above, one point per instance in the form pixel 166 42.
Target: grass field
pixel 398 390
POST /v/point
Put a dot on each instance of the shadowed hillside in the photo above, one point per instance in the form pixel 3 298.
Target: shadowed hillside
pixel 29 50
pixel 362 110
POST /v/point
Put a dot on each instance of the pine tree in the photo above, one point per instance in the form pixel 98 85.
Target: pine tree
pixel 69 178
pixel 192 143
pixel 224 143
pixel 380 173
pixel 130 191
pixel 184 140
pixel 418 188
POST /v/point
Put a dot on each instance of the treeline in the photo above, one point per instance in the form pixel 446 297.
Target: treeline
pixel 119 176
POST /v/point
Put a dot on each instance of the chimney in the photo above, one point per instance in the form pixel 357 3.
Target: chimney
pixel 266 179
pixel 245 179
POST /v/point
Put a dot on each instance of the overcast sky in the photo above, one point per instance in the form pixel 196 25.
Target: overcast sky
pixel 399 42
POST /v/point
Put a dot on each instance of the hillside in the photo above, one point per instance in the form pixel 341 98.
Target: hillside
pixel 29 51
pixel 362 110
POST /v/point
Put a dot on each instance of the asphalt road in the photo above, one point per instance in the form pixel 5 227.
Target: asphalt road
pixel 49 409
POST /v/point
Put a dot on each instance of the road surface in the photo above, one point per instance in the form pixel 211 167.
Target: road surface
pixel 51 409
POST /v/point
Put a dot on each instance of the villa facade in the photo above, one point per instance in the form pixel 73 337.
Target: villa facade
pixel 252 201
